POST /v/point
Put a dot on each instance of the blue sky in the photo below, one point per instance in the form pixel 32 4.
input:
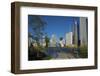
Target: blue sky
pixel 58 25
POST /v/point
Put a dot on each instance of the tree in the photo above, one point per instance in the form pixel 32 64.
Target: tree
pixel 37 24
pixel 47 40
pixel 61 38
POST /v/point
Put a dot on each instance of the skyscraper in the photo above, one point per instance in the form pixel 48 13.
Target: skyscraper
pixel 75 33
pixel 83 31
pixel 69 38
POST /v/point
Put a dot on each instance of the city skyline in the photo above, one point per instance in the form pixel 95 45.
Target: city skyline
pixel 58 25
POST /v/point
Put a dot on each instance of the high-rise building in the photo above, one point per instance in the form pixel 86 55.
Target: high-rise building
pixel 75 33
pixel 69 38
pixel 83 31
pixel 53 41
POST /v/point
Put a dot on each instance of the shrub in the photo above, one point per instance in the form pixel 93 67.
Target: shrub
pixel 39 48
pixel 72 46
pixel 47 58
pixel 83 51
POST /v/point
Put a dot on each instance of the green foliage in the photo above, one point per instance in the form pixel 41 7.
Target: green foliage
pixel 47 41
pixel 68 46
pixel 72 46
pixel 38 48
pixel 83 51
pixel 61 38
pixel 48 58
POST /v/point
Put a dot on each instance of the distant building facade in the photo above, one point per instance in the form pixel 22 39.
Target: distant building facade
pixel 53 41
pixel 83 31
pixel 69 38
pixel 31 42
pixel 42 41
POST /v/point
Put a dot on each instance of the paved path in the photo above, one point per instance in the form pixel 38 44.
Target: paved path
pixel 60 53
pixel 63 55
